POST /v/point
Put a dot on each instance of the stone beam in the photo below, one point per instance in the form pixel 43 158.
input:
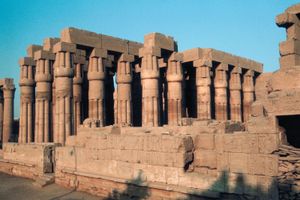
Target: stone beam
pixel 31 49
pixel 161 41
pixel 222 57
pixel 94 40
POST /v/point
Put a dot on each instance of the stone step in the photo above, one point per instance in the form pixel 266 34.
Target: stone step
pixel 44 180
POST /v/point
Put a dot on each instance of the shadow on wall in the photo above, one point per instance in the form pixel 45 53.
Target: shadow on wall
pixel 132 191
pixel 236 190
pixel 239 189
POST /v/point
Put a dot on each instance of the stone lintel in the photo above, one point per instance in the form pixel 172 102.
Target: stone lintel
pixel 98 52
pixel 78 59
pixel 33 48
pixel 126 58
pixel 155 51
pixel 29 61
pixel 65 47
pixel 286 19
pixel 49 43
pixel 160 40
pixel 46 55
pixel 202 62
pixel 175 56
pixel 94 40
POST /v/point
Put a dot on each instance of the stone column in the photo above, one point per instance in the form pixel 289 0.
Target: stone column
pixel 1 115
pixel 43 77
pixel 96 77
pixel 248 93
pixel 235 94
pixel 221 84
pixel 26 83
pixel 79 62
pixel 203 84
pixel 63 70
pixel 124 100
pixel 150 86
pixel 8 111
pixel 174 78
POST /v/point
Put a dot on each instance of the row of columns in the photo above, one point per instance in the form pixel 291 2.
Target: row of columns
pixel 54 93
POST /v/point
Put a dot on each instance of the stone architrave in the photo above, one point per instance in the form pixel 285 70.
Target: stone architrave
pixel 43 77
pixel 175 78
pixel 221 85
pixel 124 99
pixel 235 94
pixel 248 93
pixel 96 77
pixel 150 86
pixel 27 83
pixel 203 85
pixel 64 72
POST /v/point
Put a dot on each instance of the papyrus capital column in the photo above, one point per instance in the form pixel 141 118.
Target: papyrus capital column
pixel 8 111
pixel 235 94
pixel 43 77
pixel 124 99
pixel 248 93
pixel 150 86
pixel 79 62
pixel 27 83
pixel 64 72
pixel 96 77
pixel 203 84
pixel 221 85
pixel 174 78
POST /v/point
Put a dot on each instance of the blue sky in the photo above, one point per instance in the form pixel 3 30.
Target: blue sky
pixel 242 27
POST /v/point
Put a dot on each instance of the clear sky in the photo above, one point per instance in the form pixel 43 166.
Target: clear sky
pixel 242 27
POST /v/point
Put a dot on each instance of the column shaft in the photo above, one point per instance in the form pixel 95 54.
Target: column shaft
pixel 124 100
pixel 174 78
pixel 8 113
pixel 248 93
pixel 235 95
pixel 150 91
pixel 221 92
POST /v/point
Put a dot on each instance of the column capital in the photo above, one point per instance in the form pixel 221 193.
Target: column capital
pixel 8 91
pixel 45 55
pixel 99 53
pixel 202 63
pixel 64 47
pixel 222 67
pixel 249 72
pixel 236 70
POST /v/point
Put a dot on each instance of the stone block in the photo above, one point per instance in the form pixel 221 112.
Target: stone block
pixel 233 142
pixel 257 109
pixel 155 51
pixel 289 61
pixel 205 141
pixel 49 43
pixel 159 40
pixel 202 63
pixel 262 125
pixel 268 143
pixel 293 32
pixel 251 144
pixel 223 162
pixel 133 48
pixel 114 44
pixel 65 157
pixel 238 162
pixel 286 19
pixel 205 158
pixel 41 54
pixel 28 61
pixel 64 47
pixel 289 47
pixel 219 142
pixel 175 56
pixel 126 58
pixel 33 48
pixel 260 164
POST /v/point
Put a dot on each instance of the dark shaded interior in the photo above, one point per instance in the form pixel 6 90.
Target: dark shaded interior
pixel 291 125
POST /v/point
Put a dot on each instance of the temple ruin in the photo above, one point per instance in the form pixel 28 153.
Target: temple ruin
pixel 100 114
